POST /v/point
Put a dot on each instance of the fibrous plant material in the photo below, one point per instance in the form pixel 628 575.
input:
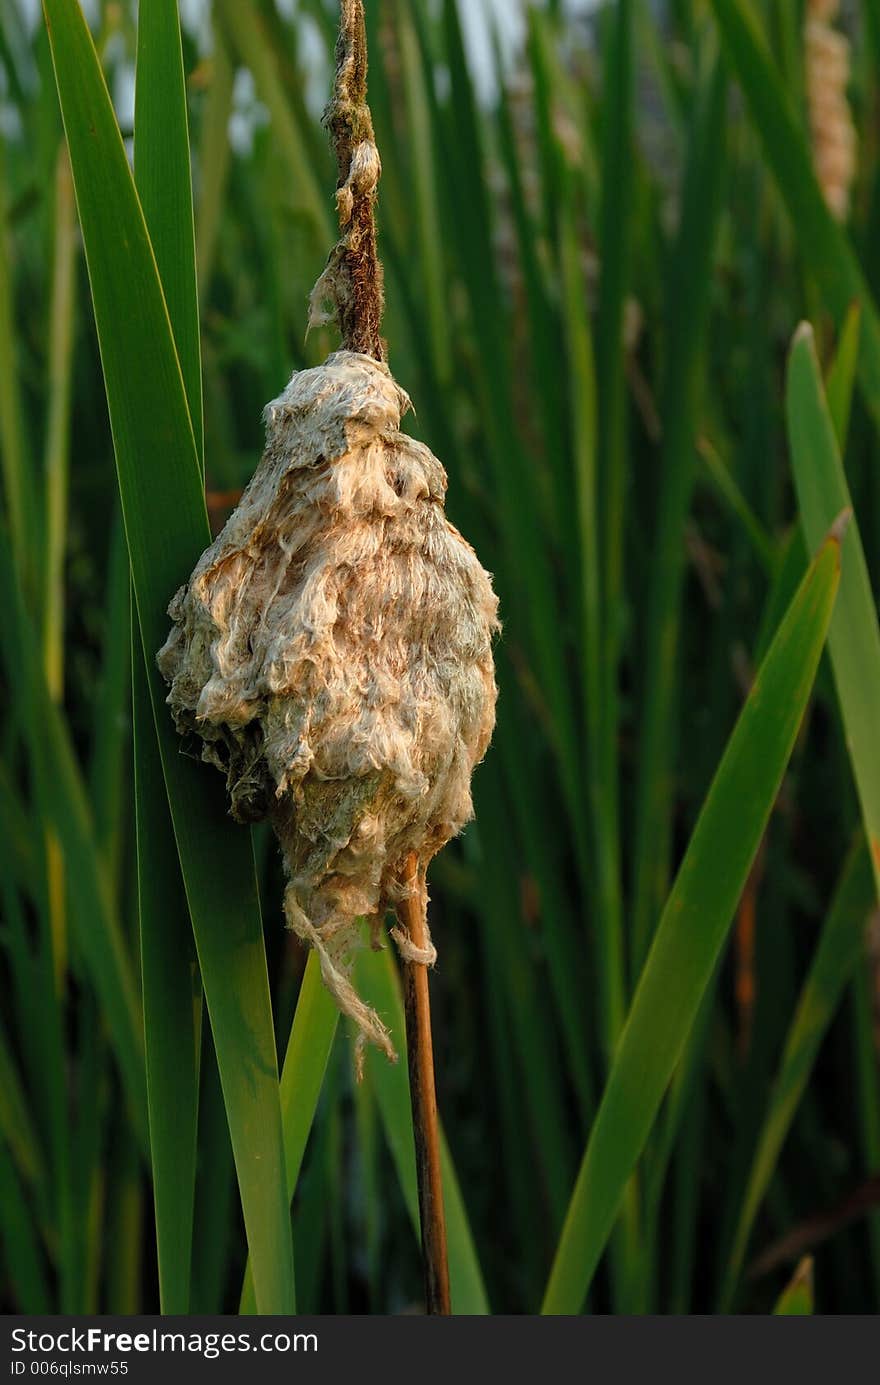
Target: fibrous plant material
pixel 333 648
pixel 827 68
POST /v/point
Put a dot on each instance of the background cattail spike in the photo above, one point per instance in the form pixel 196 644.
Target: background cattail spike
pixel 832 133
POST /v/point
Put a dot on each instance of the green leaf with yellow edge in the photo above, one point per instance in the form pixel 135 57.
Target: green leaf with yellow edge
pixel 797 1298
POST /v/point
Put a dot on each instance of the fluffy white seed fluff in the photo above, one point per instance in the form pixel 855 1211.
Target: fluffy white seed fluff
pixel 333 651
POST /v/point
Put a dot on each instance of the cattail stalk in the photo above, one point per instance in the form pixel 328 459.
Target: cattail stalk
pixel 426 1124
pixel 350 292
pixel 353 283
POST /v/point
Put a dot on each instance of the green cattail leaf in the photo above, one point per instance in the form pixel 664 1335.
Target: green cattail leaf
pixel 302 1077
pixel 171 987
pixel 687 314
pixel 214 159
pixel 841 378
pixel 797 1298
pixel 693 928
pixel 16 1125
pixel 854 637
pixel 15 462
pixel 166 528
pixel 61 795
pixel 20 1241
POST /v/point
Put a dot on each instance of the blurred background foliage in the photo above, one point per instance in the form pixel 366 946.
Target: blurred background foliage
pixel 594 269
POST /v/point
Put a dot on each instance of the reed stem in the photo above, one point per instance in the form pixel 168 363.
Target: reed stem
pixel 426 1126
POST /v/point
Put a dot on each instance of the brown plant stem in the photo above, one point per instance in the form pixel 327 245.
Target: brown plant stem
pixel 818 1227
pixel 426 1127
pixel 350 291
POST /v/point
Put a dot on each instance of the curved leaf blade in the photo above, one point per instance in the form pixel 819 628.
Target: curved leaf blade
pixel 693 928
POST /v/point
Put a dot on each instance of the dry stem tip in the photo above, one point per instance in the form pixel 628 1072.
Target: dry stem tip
pixel 350 290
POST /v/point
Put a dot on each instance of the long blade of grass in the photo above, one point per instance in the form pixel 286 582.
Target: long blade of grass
pixel 14 460
pixel 602 797
pixel 727 488
pixel 25 1265
pixel 249 39
pixel 45 1061
pixel 687 314
pixel 693 927
pixel 55 518
pixel 302 1076
pixel 531 1043
pixel 125 1249
pixel 172 1010
pixel 425 186
pixel 854 638
pixel 216 1210
pixel 11 46
pixel 16 832
pixel 372 1197
pixel 214 156
pixel 615 234
pixel 61 795
pixel 57 459
pixel 16 1125
pixel 171 987
pixel 513 470
pixel 164 185
pixel 111 721
pixel 166 528
pixel 841 377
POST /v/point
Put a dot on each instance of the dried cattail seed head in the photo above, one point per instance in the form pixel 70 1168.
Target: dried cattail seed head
pixel 333 651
